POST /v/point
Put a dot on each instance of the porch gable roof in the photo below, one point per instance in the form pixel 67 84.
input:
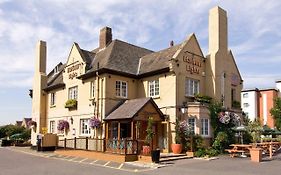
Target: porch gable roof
pixel 130 108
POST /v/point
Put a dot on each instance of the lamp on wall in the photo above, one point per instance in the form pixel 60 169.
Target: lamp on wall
pixel 183 108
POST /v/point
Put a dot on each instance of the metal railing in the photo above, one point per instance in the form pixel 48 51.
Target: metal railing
pixel 115 146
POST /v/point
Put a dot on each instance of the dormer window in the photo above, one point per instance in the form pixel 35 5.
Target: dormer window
pixel 56 70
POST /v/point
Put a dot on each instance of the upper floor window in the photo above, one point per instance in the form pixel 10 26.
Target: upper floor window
pixel 191 123
pixel 85 127
pixel 191 87
pixel 205 127
pixel 233 95
pixel 92 92
pixel 121 89
pixel 52 127
pixel 246 105
pixel 153 88
pixel 245 95
pixel 73 92
pixel 53 99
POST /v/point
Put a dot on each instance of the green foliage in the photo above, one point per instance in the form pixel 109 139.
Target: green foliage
pixel 223 133
pixel 71 103
pixel 206 152
pixel 178 136
pixel 255 130
pixel 203 98
pixel 221 142
pixel 9 130
pixel 149 131
pixel 276 112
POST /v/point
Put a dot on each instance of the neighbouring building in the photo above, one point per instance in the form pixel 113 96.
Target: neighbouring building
pixel 24 122
pixel 123 84
pixel 257 103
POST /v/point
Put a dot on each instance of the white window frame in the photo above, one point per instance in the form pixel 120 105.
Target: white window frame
pixel 192 125
pixel 85 126
pixel 73 92
pixel 52 126
pixel 245 105
pixel 192 87
pixel 92 89
pixel 121 89
pixel 154 88
pixel 246 95
pixel 205 127
pixel 53 99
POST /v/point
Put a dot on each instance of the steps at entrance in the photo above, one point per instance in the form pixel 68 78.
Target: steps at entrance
pixel 170 157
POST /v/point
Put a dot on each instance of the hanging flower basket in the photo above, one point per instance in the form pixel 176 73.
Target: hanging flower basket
pixel 94 122
pixel 63 125
pixel 71 103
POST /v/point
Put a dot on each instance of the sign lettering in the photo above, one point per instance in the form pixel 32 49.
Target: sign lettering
pixel 193 65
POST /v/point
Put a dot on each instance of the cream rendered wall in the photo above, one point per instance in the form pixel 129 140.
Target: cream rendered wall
pixel 220 61
pixel 38 96
pixel 196 111
pixel 110 100
pixel 85 108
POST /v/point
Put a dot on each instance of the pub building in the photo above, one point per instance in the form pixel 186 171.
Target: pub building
pixel 122 85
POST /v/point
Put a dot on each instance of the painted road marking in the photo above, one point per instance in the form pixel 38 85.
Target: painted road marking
pixel 120 166
pixel 63 157
pixel 94 162
pixel 83 160
pixel 106 163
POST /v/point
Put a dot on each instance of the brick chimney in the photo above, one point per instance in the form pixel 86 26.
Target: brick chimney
pixel 105 37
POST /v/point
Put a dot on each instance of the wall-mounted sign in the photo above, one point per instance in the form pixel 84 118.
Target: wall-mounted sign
pixel 193 64
pixel 72 70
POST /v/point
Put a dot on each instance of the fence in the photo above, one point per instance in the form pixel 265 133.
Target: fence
pixel 123 146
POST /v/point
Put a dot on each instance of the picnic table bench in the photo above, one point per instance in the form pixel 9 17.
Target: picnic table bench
pixel 238 150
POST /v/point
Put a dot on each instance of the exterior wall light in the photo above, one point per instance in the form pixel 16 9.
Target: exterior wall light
pixel 184 108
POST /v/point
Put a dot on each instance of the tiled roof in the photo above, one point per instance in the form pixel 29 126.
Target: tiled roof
pixel 119 56
pixel 128 109
pixel 157 60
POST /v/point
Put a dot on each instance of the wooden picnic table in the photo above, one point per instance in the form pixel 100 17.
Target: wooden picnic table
pixel 238 149
pixel 268 147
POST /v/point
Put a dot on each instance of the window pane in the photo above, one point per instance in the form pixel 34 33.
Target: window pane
pixel 118 88
pixel 156 88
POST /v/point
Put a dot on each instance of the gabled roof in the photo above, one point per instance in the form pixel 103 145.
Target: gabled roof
pixel 157 60
pixel 119 56
pixel 130 108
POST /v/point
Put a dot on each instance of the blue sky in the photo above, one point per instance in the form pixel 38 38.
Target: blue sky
pixel 253 29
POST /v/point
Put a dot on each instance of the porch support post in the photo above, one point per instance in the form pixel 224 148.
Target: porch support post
pixel 106 130
pixel 119 133
pixel 132 130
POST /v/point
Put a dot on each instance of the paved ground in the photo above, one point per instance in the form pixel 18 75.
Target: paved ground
pixel 13 161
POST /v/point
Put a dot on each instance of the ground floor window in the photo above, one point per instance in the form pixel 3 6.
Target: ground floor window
pixel 205 127
pixel 52 126
pixel 84 127
pixel 191 123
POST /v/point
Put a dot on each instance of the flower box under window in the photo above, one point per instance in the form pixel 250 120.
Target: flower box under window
pixel 71 103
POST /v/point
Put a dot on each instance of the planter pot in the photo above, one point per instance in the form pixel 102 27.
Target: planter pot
pixel 190 153
pixel 176 148
pixel 146 150
pixel 256 154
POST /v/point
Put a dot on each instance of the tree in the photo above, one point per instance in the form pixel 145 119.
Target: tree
pixel 276 112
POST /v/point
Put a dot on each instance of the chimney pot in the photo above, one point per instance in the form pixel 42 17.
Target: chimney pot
pixel 105 37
